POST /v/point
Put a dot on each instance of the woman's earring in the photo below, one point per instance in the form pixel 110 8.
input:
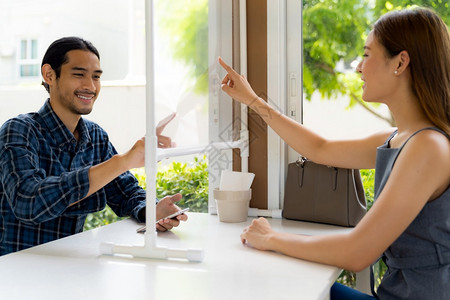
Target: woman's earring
pixel 395 72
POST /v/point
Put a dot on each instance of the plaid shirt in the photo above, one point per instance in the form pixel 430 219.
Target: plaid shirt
pixel 43 169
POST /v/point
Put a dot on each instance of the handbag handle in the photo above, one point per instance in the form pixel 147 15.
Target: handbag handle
pixel 300 162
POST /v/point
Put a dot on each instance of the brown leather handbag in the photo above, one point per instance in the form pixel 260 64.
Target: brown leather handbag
pixel 323 194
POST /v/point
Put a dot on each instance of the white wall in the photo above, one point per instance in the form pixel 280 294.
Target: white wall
pixel 332 118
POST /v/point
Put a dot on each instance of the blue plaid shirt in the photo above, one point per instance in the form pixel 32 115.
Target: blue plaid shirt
pixel 44 169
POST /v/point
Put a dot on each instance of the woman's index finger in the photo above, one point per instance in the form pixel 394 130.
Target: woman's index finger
pixel 227 67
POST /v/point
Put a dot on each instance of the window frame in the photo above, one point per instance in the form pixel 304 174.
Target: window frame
pixel 284 64
pixel 29 60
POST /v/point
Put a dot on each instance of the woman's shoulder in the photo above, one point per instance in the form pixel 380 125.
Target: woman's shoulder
pixel 431 150
pixel 435 146
pixel 431 140
pixel 429 145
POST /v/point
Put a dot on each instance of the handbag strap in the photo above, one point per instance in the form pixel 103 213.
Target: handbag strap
pixel 300 162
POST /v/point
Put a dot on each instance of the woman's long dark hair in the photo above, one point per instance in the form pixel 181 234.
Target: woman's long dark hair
pixel 425 36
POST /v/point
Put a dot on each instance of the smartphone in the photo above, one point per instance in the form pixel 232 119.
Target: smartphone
pixel 180 212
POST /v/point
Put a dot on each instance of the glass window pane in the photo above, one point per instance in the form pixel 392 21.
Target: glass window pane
pixel 29 70
pixel 181 67
pixel 181 86
pixel 23 49
pixel 34 54
pixel 334 34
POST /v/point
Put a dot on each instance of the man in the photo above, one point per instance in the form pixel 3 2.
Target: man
pixel 56 167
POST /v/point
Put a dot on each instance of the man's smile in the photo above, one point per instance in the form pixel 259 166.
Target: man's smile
pixel 85 97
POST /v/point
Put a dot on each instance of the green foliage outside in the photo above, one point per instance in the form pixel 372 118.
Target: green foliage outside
pixel 368 179
pixel 442 7
pixel 335 31
pixel 332 31
pixel 100 218
pixel 190 180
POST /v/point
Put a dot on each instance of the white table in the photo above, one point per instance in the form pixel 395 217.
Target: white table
pixel 72 268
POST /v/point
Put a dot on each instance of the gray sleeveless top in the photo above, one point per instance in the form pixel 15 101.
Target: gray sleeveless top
pixel 419 260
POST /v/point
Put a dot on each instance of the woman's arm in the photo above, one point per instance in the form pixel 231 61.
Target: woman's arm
pixel 421 173
pixel 356 154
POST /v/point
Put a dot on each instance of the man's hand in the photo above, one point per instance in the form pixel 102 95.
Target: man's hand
pixel 135 157
pixel 164 141
pixel 165 207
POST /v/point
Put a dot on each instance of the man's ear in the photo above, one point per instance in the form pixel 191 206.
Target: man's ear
pixel 48 74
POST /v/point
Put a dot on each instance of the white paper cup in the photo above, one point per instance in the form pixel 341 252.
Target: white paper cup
pixel 232 206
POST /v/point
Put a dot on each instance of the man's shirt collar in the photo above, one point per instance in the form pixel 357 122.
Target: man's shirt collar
pixel 60 132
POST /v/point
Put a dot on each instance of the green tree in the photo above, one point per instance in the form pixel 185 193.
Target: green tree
pixel 335 31
pixel 332 31
pixel 442 7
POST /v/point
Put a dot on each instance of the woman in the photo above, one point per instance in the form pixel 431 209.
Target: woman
pixel 406 65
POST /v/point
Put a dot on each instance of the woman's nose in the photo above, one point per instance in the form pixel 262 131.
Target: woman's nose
pixel 358 67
